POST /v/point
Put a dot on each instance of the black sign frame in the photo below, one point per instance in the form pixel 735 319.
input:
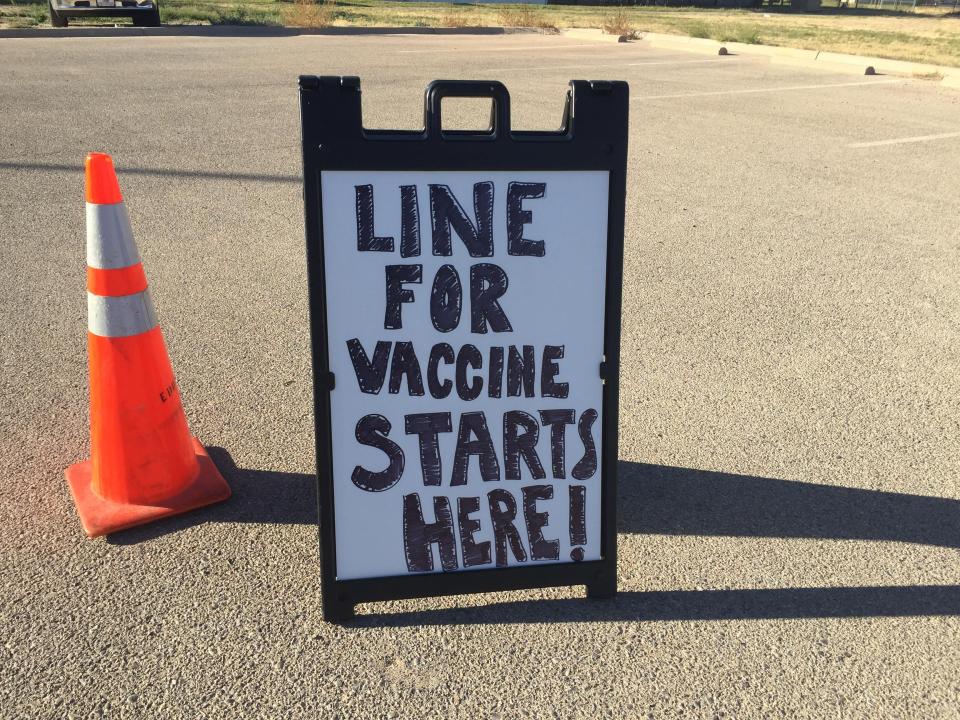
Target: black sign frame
pixel 592 136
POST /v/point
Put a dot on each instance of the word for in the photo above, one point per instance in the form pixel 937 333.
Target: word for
pixel 488 283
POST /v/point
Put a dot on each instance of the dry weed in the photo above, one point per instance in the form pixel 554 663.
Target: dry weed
pixel 618 23
pixel 310 13
pixel 525 16
pixel 455 20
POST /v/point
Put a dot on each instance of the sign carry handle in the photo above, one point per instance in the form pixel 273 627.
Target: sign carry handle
pixel 499 111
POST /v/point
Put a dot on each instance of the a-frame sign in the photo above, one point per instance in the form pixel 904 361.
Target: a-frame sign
pixel 465 320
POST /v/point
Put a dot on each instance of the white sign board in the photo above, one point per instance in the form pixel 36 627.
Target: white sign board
pixel 465 316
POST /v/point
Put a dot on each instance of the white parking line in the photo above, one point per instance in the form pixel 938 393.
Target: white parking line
pixel 502 49
pixel 898 141
pixel 582 66
pixel 764 90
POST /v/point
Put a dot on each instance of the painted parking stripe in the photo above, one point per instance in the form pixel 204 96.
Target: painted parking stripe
pixel 550 48
pixel 583 66
pixel 750 91
pixel 900 141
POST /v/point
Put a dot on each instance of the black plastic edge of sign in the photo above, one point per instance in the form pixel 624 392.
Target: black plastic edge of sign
pixel 592 136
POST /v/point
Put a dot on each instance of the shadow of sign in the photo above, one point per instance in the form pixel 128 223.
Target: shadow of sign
pixel 766 604
pixel 156 172
pixel 662 500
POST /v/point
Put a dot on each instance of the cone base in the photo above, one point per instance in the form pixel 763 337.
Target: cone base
pixel 100 517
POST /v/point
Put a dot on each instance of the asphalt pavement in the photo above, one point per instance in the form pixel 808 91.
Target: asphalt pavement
pixel 789 506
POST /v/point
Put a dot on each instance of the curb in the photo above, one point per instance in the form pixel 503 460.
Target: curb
pixel 247 31
pixel 594 35
pixel 680 42
pixel 837 62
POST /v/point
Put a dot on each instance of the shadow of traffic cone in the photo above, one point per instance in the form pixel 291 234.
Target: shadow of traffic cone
pixel 143 464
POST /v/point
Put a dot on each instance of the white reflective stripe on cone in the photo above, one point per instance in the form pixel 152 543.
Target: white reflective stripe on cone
pixel 120 316
pixel 110 242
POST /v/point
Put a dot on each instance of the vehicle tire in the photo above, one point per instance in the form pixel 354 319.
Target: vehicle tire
pixel 56 19
pixel 150 19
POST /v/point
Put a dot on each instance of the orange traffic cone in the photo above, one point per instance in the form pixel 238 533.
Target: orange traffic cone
pixel 144 464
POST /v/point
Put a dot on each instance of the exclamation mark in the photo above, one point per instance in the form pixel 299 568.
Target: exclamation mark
pixel 578 525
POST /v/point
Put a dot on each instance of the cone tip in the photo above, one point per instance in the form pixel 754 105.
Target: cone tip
pixel 102 185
